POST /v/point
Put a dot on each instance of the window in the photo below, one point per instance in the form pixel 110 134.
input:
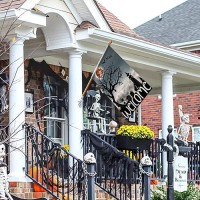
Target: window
pixel 108 107
pixel 54 120
pixel 134 117
pixel 196 134
pixel 98 111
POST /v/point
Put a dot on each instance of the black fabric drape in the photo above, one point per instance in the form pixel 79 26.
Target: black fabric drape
pixel 44 69
pixel 114 159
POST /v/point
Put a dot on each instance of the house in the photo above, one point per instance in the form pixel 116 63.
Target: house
pixel 178 28
pixel 70 37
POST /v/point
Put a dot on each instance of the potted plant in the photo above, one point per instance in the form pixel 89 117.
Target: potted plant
pixel 131 137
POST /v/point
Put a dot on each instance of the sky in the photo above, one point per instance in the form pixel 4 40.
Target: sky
pixel 137 12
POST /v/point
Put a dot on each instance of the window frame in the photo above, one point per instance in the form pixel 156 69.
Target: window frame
pixel 59 113
pixel 193 133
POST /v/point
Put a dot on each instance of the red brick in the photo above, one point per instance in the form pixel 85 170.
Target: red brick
pixel 37 195
pixel 152 110
pixel 12 184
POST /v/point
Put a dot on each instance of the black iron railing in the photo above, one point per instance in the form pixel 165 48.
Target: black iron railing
pixel 52 168
pixel 117 174
pixel 194 163
pixel 156 155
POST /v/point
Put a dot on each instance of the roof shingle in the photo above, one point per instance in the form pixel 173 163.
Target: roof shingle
pixel 178 25
pixel 115 24
pixel 85 25
pixel 10 4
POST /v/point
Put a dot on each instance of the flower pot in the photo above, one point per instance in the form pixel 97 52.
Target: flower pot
pixel 128 143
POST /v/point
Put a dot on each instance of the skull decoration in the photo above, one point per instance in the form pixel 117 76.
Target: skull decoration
pixel 89 158
pixel 146 161
pixel 112 125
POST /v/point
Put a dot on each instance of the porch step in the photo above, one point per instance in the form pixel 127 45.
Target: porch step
pixel 24 190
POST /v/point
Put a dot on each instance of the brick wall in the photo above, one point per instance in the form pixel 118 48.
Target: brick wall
pixel 152 110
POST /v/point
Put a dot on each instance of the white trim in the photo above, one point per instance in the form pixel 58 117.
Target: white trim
pixel 193 133
pixel 55 118
pixel 132 117
pixel 73 11
pixel 143 52
pixel 35 19
pixel 29 4
pixel 28 18
pixel 130 41
pixel 190 44
pixel 97 14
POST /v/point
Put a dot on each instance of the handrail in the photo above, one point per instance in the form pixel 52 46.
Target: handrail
pixel 52 168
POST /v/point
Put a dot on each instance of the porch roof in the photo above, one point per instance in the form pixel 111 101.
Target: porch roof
pixel 148 59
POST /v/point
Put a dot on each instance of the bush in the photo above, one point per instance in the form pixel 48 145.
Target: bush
pixel 191 193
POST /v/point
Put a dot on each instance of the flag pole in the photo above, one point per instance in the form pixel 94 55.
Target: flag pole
pixel 89 82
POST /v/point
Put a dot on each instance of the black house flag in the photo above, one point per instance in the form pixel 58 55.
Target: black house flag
pixel 122 85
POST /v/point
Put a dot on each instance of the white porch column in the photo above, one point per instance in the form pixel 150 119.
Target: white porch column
pixel 16 110
pixel 167 108
pixel 75 110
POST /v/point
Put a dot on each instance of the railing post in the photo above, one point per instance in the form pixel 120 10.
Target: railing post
pixel 90 161
pixel 145 169
pixel 147 190
pixel 170 159
pixel 91 181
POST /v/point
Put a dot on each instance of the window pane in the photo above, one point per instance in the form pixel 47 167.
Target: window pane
pixel 52 108
pixel 196 134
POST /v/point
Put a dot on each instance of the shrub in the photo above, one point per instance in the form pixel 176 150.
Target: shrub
pixel 191 193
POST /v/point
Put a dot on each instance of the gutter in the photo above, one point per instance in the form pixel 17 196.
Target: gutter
pixel 191 45
pixel 137 44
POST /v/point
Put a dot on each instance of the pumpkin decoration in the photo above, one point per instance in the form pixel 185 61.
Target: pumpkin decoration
pixel 35 172
pixel 153 181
